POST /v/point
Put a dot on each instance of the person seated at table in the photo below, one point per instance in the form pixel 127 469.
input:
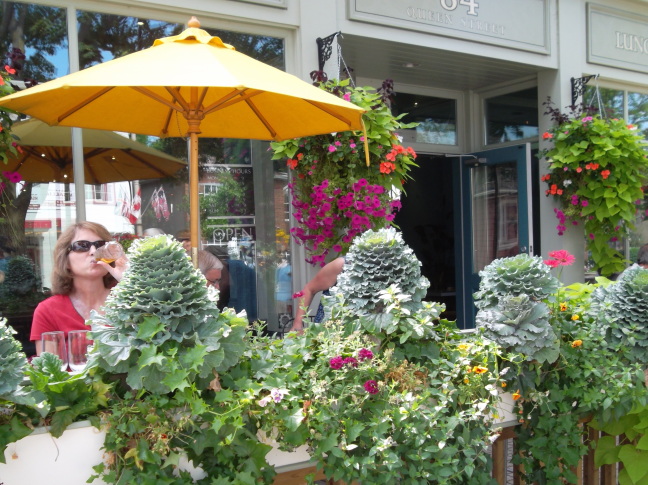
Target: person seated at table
pixel 79 283
pixel 206 260
pixel 211 267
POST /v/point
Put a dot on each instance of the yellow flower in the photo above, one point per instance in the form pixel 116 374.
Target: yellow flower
pixel 503 384
pixel 575 317
pixel 479 370
pixel 466 380
pixel 517 395
pixel 563 306
pixel 576 343
pixel 463 346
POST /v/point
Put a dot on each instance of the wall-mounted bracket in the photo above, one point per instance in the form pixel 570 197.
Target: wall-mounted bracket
pixel 324 49
pixel 578 86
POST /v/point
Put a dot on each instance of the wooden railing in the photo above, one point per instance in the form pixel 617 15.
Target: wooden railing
pixel 587 472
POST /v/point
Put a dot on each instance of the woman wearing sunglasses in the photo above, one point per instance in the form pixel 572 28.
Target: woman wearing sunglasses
pixel 79 283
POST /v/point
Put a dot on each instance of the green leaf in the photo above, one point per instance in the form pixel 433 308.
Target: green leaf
pixel 634 461
pixel 606 452
pixel 149 327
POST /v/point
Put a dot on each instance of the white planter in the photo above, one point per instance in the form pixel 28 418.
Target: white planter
pixel 505 414
pixel 41 458
pixel 68 460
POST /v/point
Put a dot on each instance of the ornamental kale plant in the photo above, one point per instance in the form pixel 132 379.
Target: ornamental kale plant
pixel 344 184
pixel 166 345
pixel 596 170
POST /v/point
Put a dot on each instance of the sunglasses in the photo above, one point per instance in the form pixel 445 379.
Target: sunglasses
pixel 84 246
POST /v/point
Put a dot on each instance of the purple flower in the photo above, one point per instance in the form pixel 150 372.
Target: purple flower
pixel 584 203
pixel 276 395
pixel 371 387
pixel 336 362
pixel 365 354
pixel 337 248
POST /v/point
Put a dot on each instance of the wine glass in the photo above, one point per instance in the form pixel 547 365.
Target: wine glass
pixel 54 343
pixel 78 344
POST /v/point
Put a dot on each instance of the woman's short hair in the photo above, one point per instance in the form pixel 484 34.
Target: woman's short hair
pixel 207 261
pixel 62 279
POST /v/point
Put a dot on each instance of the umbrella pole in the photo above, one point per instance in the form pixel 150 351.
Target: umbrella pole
pixel 194 212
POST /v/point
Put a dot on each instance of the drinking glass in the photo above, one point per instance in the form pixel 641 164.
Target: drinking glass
pixel 78 343
pixel 54 343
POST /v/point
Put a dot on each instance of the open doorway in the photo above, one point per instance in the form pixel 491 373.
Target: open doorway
pixel 427 221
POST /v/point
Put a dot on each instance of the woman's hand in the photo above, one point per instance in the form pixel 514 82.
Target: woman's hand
pixel 118 270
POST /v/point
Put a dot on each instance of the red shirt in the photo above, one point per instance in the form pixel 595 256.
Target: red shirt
pixel 56 313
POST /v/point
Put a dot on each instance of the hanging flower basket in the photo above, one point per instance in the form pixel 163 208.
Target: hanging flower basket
pixel 597 171
pixel 337 191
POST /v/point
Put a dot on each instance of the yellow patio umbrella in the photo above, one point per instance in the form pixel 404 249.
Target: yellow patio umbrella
pixel 192 85
pixel 46 156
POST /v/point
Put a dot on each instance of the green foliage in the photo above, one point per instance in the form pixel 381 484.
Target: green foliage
pixel 623 309
pixel 511 312
pixel 21 289
pixel 597 168
pixel 165 342
pixel 631 452
pixel 41 393
pixel 388 395
pixel 383 255
pixel 590 377
pixel 12 358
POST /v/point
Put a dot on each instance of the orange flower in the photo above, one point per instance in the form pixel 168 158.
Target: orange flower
pixel 479 370
pixel 576 343
pixel 503 384
pixel 546 135
pixel 387 167
pixel 516 395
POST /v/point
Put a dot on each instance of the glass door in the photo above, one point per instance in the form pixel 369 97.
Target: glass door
pixel 496 215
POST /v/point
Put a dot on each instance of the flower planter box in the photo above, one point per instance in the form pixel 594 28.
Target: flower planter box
pixel 41 458
pixel 68 460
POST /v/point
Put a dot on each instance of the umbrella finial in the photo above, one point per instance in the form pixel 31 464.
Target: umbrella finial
pixel 194 22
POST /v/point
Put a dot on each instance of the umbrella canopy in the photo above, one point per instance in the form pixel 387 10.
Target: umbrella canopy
pixel 108 157
pixel 218 92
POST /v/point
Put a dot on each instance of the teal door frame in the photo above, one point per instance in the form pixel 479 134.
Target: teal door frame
pixel 518 156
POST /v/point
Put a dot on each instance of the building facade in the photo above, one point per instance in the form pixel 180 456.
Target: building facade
pixel 475 74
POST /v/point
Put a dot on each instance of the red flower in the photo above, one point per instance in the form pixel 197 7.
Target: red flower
pixel 546 177
pixel 10 70
pixel 292 163
pixel 547 135
pixel 605 174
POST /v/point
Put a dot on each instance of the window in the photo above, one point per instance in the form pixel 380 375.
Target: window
pixel 512 116
pixel 436 118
